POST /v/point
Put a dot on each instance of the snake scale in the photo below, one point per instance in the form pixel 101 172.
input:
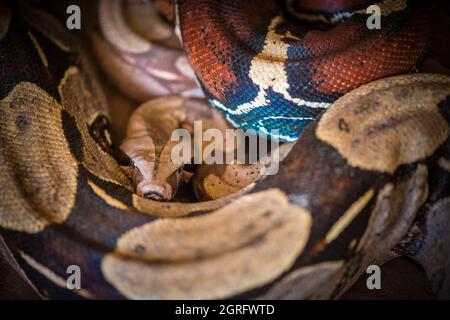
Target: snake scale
pixel 367 180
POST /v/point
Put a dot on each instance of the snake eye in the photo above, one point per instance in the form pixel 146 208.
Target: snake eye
pixel 99 131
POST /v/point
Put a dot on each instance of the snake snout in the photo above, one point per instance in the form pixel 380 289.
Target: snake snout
pixel 155 191
pixel 154 195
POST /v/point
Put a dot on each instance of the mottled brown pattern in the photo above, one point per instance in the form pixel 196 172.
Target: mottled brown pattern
pixel 374 138
pixel 271 242
pixel 139 51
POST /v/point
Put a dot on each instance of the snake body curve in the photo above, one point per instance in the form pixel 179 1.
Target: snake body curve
pixel 366 181
pixel 266 72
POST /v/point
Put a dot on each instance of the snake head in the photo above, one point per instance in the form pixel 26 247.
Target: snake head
pixel 163 189
pixel 149 146
pixel 155 176
pixel 159 186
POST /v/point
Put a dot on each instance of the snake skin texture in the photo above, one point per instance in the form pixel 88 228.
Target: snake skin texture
pixel 266 71
pixel 366 181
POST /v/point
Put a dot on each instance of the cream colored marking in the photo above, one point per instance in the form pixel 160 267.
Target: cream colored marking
pixel 388 122
pixel 177 28
pixel 352 244
pixel 163 74
pixel 38 48
pixel 444 164
pixel 86 103
pixel 199 269
pixel 70 72
pixel 267 71
pixel 108 137
pixel 184 239
pixel 5 19
pixel 216 187
pixel 181 209
pixel 348 216
pixel 53 277
pixel 106 197
pixel 393 215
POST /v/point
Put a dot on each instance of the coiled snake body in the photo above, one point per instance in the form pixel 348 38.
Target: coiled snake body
pixel 368 180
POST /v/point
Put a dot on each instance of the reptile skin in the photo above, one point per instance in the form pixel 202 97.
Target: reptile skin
pixel 367 180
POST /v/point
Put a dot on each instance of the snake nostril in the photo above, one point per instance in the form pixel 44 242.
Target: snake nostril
pixel 154 195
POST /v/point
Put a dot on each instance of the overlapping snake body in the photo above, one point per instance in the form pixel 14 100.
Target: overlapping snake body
pixel 291 73
pixel 368 180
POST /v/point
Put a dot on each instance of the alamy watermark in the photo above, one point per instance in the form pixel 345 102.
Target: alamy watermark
pixel 374 21
pixel 74 280
pixel 235 147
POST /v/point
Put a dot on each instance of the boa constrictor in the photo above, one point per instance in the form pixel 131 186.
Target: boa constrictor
pixel 367 181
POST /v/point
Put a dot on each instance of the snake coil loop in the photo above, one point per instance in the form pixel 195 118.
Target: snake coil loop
pixel 367 179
